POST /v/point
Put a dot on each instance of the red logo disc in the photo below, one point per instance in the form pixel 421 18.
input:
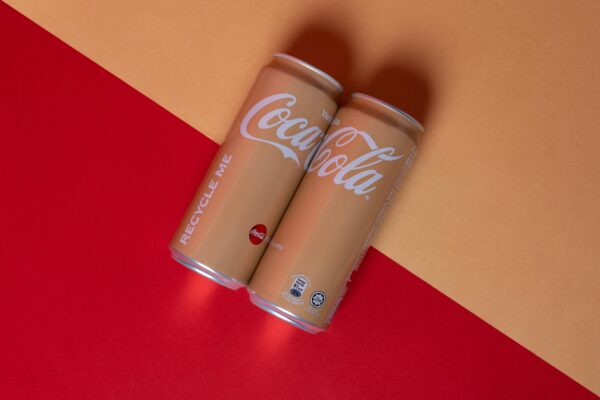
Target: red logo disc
pixel 258 233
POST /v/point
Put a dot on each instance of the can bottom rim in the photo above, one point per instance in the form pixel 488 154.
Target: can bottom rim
pixel 283 314
pixel 205 270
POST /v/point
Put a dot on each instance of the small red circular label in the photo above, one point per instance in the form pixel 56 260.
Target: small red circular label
pixel 258 233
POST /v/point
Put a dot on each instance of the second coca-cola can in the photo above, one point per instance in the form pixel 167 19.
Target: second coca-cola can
pixel 256 171
pixel 327 228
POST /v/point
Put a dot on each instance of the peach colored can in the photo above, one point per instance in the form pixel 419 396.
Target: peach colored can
pixel 256 171
pixel 329 224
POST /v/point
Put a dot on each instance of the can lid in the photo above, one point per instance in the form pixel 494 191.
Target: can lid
pixel 312 68
pixel 382 103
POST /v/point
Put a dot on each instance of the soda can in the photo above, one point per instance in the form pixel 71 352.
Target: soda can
pixel 331 220
pixel 256 171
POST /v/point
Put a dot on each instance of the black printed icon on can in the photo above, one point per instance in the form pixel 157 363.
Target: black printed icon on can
pixel 317 299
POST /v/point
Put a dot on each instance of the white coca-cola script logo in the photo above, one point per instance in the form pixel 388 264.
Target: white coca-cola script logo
pixel 292 135
pixel 257 234
pixel 355 175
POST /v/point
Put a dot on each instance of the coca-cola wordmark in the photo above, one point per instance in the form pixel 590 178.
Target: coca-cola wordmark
pixel 354 175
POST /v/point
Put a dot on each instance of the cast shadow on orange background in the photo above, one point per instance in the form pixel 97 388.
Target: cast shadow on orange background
pixel 400 81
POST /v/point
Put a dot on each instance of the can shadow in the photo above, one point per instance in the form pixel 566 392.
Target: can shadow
pixel 326 48
pixel 403 84
pixel 402 81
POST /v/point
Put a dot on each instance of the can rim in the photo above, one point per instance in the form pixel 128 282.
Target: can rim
pixel 312 68
pixel 282 313
pixel 395 109
pixel 205 270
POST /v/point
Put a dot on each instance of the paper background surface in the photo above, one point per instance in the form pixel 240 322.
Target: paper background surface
pixel 501 211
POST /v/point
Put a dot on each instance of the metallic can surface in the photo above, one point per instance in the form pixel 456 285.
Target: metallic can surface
pixel 330 222
pixel 256 171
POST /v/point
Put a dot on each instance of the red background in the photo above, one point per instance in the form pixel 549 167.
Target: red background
pixel 95 178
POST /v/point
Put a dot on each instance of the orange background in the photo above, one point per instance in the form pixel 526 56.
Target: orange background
pixel 502 209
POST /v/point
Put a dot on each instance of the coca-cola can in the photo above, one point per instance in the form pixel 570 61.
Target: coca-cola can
pixel 256 171
pixel 331 220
